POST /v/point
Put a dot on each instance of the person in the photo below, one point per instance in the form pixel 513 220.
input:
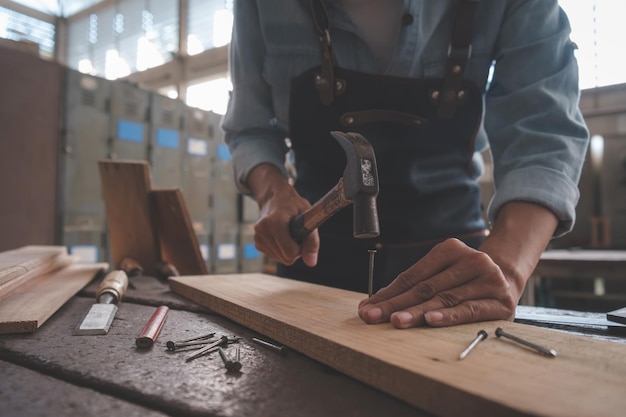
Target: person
pixel 431 85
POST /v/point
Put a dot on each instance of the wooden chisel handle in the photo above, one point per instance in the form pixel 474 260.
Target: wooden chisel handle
pixel 304 223
pixel 114 284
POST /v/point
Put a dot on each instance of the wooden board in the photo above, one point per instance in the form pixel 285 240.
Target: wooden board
pixel 20 265
pixel 130 220
pixel 178 241
pixel 421 366
pixel 28 307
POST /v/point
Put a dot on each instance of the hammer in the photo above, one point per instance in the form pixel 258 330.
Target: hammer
pixel 359 186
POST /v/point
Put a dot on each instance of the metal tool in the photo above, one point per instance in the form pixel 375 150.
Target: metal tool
pixel 208 348
pixel 149 334
pixel 540 349
pixel 173 346
pixel 370 279
pixel 100 316
pixel 358 186
pixel 276 348
pixel 230 364
pixel 482 335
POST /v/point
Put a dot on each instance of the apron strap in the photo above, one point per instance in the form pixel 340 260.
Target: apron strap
pixel 459 52
pixel 325 80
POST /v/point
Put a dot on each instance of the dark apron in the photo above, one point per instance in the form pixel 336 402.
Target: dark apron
pixel 415 126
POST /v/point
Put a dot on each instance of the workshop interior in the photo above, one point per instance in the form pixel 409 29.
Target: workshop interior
pixel 116 184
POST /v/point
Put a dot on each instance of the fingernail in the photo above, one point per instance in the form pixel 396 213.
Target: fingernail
pixel 404 318
pixel 373 313
pixel 433 316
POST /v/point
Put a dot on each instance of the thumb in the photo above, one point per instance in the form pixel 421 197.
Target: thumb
pixel 310 248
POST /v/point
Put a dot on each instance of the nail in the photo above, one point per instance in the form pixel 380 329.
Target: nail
pixel 231 365
pixel 176 345
pixel 210 347
pixel 370 281
pixel 198 340
pixel 204 336
pixel 544 351
pixel 280 349
pixel 482 335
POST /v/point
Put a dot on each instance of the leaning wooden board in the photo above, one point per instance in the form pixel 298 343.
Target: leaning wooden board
pixel 30 305
pixel 421 366
pixel 130 219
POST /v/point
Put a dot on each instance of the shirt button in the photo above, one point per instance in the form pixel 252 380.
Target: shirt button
pixel 407 19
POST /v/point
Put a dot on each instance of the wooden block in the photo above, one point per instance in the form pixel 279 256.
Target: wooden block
pixel 20 265
pixel 178 241
pixel 130 220
pixel 421 366
pixel 29 306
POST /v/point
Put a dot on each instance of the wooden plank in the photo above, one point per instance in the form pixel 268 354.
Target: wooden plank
pixel 421 366
pixel 130 220
pixel 17 262
pixel 21 265
pixel 28 307
pixel 178 241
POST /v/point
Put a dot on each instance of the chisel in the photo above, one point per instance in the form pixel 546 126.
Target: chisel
pixel 99 317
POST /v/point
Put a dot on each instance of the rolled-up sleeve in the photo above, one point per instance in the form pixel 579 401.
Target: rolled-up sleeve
pixel 249 124
pixel 537 135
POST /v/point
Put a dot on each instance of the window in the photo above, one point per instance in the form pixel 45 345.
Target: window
pixel 210 24
pixel 210 95
pixel 123 38
pixel 599 32
pixel 19 27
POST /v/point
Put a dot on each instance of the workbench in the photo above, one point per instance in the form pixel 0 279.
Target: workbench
pixel 52 372
pixel 578 264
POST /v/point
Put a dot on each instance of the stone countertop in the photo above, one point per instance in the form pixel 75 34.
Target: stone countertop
pixel 104 372
pixel 53 372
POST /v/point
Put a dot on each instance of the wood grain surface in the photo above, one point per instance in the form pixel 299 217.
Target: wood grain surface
pixel 178 241
pixel 20 265
pixel 30 305
pixel 130 220
pixel 421 366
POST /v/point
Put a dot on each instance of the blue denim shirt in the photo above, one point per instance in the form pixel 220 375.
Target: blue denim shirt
pixel 532 122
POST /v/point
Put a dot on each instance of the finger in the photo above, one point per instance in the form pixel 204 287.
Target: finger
pixel 465 304
pixel 449 285
pixel 409 313
pixel 275 248
pixel 469 312
pixel 442 256
pixel 310 248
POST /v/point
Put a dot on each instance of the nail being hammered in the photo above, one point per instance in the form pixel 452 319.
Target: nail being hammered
pixel 370 281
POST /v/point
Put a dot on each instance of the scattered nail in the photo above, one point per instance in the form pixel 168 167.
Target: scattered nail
pixel 482 335
pixel 276 348
pixel 231 365
pixel 540 349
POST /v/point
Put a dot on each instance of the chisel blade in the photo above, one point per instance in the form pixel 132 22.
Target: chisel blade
pixel 97 320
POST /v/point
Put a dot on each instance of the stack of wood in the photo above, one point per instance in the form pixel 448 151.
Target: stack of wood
pixel 35 281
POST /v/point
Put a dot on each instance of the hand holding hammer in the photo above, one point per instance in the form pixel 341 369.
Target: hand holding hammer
pixel 358 186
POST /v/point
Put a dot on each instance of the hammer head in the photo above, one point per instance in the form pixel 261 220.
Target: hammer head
pixel 360 182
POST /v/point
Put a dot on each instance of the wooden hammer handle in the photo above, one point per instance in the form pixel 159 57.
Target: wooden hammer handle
pixel 311 219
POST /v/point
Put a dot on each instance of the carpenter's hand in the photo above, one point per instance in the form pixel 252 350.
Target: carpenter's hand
pixel 279 202
pixel 453 284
